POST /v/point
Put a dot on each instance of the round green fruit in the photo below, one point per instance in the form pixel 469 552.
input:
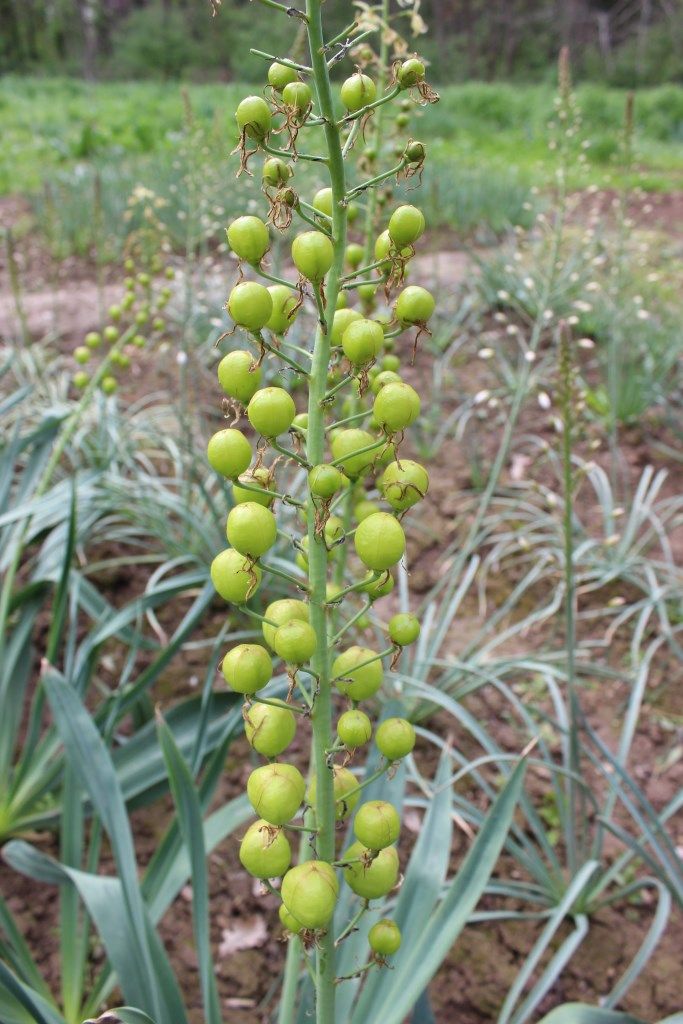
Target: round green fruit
pixel 255 478
pixel 378 588
pixel 279 75
pixel 379 541
pixel 357 92
pixel 371 878
pixel 347 448
pixel 109 384
pixel 404 483
pixel 279 613
pixel 254 118
pixel 80 380
pixel 251 529
pixel 377 824
pixel 275 172
pixel 313 255
pixel 353 677
pixel 249 239
pixel 295 642
pixel 395 738
pixel 410 73
pixel 414 306
pixel 275 792
pixel 247 668
pixel 271 411
pixel 383 378
pixel 324 481
pixel 309 892
pixel 93 339
pixel 250 305
pixel 265 851
pixel 354 728
pixel 342 319
pixel 404 629
pixel 354 255
pixel 233 576
pixel 288 920
pixel 269 728
pixel 406 225
pixel 362 341
pixel 322 201
pixel 385 937
pixel 297 96
pixel 396 406
pixel 238 375
pixel 284 309
pixel 229 452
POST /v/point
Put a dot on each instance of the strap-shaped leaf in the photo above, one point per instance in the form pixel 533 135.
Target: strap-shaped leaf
pixel 189 811
pixel 578 1013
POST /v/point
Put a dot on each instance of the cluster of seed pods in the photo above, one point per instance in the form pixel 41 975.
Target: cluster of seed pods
pixel 365 411
pixel 132 321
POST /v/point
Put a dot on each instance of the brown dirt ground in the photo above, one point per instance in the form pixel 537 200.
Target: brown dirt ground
pixel 471 985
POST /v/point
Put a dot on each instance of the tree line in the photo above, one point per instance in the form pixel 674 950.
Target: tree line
pixel 627 42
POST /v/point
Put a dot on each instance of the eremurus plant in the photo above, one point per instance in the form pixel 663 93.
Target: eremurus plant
pixel 352 431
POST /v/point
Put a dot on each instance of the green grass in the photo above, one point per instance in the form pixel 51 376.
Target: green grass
pixel 488 146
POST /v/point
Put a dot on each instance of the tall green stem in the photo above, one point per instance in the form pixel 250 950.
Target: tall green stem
pixel 321 716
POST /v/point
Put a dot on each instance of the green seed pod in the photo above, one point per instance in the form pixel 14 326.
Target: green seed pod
pixel 271 411
pixel 414 306
pixel 367 293
pixel 377 824
pixel 406 225
pixel 396 406
pixel 313 255
pixel 380 541
pixel 249 239
pixel 368 878
pixel 364 509
pixel 234 578
pixel 295 642
pixel 342 319
pixel 346 444
pixel 353 677
pixel 269 729
pixel 229 452
pixel 395 738
pixel 281 612
pixel 114 313
pixel 80 380
pixel 139 340
pixel 275 792
pixel 357 91
pixel 324 481
pixel 354 255
pixel 247 668
pixel 346 792
pixel 322 201
pixel 385 937
pixel 334 530
pixel 238 375
pixel 265 851
pixel 378 588
pixel 352 212
pixel 109 384
pixel 410 73
pixel 289 921
pixel 254 118
pixel 401 120
pixel 284 309
pixel 81 354
pixel 391 362
pixel 279 75
pixel 416 152
pixel 300 421
pixel 354 729
pixel 309 892
pixel 250 305
pixel 110 333
pixel 93 339
pixel 404 629
pixel 255 478
pixel 251 529
pixel 297 96
pixel 275 172
pixel 383 378
pixel 362 341
pixel 404 483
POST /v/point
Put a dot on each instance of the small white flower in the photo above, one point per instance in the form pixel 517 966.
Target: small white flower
pixel 643 314
pixel 530 356
pixel 503 295
pixel 572 320
pixel 485 353
pixel 481 396
pixel 586 343
pixel 612 540
pixel 181 358
pixel 544 400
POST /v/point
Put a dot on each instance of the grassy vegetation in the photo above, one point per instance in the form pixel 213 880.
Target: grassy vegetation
pixel 52 125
